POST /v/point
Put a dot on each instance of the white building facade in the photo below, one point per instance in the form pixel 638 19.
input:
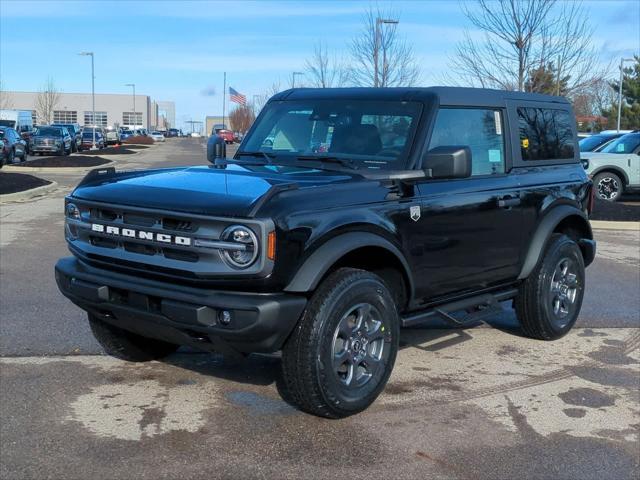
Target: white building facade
pixel 110 109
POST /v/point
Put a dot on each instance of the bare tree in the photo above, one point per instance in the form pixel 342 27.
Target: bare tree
pixel 47 101
pixel 523 38
pixel 380 58
pixel 241 118
pixel 259 101
pixel 324 69
pixel 5 101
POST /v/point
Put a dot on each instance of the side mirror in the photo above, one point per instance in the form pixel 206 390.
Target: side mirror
pixel 448 162
pixel 216 149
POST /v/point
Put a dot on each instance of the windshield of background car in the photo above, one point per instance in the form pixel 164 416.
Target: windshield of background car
pixel 371 134
pixel 8 123
pixel 625 144
pixel 589 143
pixel 49 131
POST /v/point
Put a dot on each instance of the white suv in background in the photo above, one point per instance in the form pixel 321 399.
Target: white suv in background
pixel 616 169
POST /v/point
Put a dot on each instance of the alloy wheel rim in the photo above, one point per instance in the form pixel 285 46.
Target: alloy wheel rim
pixel 358 349
pixel 565 286
pixel 608 188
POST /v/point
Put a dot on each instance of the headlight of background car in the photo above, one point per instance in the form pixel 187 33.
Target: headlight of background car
pixel 247 250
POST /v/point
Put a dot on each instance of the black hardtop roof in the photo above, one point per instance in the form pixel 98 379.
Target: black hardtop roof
pixel 445 95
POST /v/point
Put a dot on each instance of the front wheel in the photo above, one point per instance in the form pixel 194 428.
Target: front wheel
pixel 549 300
pixel 340 355
pixel 128 346
pixel 608 186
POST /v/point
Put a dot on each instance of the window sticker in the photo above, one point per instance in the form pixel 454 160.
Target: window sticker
pixel 620 147
pixel 495 156
pixel 525 143
pixel 496 116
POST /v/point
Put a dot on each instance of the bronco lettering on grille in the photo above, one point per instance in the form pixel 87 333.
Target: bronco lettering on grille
pixel 141 234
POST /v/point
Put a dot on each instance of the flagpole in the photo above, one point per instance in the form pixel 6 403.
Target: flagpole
pixel 224 99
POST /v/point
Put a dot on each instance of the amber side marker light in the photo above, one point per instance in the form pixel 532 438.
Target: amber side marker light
pixel 271 246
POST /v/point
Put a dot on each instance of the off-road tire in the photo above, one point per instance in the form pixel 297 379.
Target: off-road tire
pixel 128 346
pixel 534 304
pixel 307 358
pixel 612 179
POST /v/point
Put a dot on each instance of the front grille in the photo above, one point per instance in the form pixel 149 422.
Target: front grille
pixel 155 242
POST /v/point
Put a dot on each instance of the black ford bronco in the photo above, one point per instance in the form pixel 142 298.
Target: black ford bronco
pixel 345 215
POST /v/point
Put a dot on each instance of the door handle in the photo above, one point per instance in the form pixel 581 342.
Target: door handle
pixel 508 202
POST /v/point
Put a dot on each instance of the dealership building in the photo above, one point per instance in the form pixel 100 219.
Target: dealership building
pixel 110 109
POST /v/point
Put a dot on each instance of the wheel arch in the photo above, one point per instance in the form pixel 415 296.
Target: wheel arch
pixel 565 219
pixel 364 250
pixel 613 169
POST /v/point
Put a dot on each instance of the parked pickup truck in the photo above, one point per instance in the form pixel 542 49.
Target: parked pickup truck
pixel 371 210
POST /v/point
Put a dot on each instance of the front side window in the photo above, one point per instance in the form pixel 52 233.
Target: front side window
pixel 545 134
pixel 479 129
pixel 625 144
pixel 372 135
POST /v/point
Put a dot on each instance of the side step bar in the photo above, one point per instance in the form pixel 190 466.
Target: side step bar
pixel 481 306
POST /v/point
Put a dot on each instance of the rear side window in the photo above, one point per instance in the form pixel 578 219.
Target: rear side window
pixel 545 134
pixel 479 129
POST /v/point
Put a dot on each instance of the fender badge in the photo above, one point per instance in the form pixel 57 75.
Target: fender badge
pixel 414 213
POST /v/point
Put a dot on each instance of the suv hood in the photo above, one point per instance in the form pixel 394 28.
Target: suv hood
pixel 235 191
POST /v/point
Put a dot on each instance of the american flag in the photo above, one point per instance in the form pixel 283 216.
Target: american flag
pixel 237 97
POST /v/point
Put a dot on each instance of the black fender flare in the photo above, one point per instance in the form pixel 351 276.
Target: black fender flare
pixel 544 231
pixel 319 262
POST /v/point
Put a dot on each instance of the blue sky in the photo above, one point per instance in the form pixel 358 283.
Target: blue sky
pixel 175 50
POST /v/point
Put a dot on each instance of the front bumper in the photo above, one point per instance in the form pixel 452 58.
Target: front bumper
pixel 180 314
pixel 44 148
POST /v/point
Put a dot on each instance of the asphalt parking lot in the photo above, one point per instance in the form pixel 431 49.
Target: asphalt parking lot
pixel 474 403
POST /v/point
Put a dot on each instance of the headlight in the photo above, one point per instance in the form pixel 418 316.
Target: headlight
pixel 247 250
pixel 73 211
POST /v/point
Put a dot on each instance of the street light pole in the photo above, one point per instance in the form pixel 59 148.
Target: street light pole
pixel 376 48
pixel 93 98
pixel 135 115
pixel 293 79
pixel 622 60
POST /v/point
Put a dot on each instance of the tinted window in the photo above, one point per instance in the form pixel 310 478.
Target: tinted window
pixel 375 135
pixel 625 144
pixel 545 134
pixel 481 130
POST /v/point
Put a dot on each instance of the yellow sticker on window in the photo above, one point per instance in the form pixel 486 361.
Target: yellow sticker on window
pixel 525 143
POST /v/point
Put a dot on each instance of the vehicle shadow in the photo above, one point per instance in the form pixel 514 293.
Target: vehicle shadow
pixel 264 370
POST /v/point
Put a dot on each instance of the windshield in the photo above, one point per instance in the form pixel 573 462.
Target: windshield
pixel 374 135
pixel 51 131
pixel 70 128
pixel 592 142
pixel 8 123
pixel 625 144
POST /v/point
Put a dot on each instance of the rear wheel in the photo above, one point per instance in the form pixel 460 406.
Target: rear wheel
pixel 340 355
pixel 128 346
pixel 11 156
pixel 608 186
pixel 549 300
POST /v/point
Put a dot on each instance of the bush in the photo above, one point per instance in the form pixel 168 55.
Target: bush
pixel 139 140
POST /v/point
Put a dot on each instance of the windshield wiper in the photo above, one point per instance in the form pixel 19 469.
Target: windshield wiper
pixel 345 162
pixel 268 157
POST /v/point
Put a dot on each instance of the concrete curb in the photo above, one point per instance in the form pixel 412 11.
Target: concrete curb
pixel 605 225
pixel 14 169
pixel 28 194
